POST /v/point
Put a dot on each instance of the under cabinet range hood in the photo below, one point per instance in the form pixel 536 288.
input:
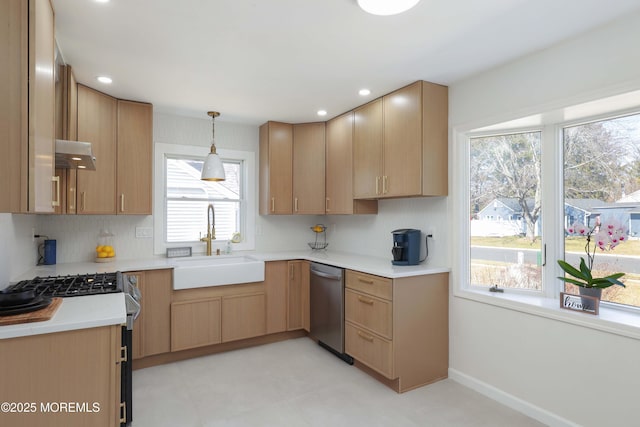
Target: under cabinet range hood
pixel 74 155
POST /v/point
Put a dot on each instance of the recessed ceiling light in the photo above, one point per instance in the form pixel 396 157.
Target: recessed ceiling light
pixel 101 1
pixel 322 112
pixel 104 79
pixel 386 7
pixel 82 167
pixel 364 92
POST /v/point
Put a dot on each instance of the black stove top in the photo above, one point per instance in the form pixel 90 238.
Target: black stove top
pixel 72 286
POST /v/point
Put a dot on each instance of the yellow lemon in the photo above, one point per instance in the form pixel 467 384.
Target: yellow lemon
pixel 102 255
pixel 108 248
pixel 99 248
pixel 111 254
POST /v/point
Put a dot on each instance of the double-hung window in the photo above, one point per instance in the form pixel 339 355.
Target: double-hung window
pixel 188 198
pixel 548 179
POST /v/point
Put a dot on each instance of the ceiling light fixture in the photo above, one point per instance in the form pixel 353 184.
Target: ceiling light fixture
pixel 364 92
pixel 104 79
pixel 212 169
pixel 322 112
pixel 386 7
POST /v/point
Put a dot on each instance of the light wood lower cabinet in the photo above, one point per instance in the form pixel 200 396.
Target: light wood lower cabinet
pixel 47 370
pixel 243 316
pixel 152 328
pixel 399 327
pixel 275 286
pixel 195 323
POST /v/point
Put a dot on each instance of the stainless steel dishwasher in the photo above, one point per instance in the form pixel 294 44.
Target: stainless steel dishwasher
pixel 327 308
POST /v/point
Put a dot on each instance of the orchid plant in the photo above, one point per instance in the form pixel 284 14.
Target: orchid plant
pixel 603 236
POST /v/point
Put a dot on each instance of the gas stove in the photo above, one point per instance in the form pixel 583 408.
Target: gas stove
pixel 72 286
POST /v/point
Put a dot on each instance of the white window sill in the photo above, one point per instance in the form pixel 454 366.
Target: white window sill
pixel 619 322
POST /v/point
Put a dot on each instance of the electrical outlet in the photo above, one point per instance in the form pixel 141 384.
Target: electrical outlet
pixel 144 232
pixel 431 233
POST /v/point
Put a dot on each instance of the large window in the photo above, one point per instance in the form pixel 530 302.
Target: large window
pixel 188 197
pixel 601 189
pixel 505 182
pixel 590 174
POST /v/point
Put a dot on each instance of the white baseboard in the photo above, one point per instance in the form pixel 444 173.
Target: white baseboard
pixel 513 402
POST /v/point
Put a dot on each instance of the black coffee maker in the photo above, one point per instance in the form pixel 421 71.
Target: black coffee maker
pixel 406 246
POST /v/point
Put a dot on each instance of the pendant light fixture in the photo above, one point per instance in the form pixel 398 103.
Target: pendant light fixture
pixel 212 169
pixel 386 7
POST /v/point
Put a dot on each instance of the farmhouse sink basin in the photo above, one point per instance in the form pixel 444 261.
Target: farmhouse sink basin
pixel 203 271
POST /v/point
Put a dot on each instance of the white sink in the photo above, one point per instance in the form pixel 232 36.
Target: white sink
pixel 216 270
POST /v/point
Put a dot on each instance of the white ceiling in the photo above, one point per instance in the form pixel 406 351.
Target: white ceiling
pixel 259 60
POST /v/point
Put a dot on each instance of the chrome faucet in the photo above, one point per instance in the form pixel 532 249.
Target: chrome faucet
pixel 211 228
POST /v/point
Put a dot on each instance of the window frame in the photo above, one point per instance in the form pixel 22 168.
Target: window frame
pixel 247 200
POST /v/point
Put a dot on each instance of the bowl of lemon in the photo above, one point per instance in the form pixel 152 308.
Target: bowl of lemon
pixel 105 253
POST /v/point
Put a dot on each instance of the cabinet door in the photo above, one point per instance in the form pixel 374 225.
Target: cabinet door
pixel 294 296
pixel 42 195
pixel 275 285
pixel 152 329
pixel 135 128
pixel 306 296
pixel 195 323
pixel 276 168
pixel 367 150
pixel 309 168
pixel 96 190
pixel 14 15
pixel 403 142
pixel 243 316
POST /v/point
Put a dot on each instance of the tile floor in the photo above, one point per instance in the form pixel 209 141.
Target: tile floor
pixel 296 383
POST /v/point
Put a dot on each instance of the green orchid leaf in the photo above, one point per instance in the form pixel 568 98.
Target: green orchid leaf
pixel 571 270
pixel 584 269
pixel 573 281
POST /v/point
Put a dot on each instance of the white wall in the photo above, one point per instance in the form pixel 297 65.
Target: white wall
pixel 560 371
pixel 18 251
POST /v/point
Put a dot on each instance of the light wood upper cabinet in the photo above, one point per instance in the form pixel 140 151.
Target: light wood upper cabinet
pixel 367 150
pixel 134 142
pixel 120 133
pixel 66 128
pixel 309 168
pixel 405 154
pixel 339 169
pixel 402 147
pixel 97 123
pixel 276 168
pixel 27 105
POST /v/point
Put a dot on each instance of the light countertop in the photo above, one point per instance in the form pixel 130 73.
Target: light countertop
pixel 366 264
pixel 83 312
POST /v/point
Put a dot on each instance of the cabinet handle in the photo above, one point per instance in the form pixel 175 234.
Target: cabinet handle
pixel 384 184
pixel 273 204
pixel 377 185
pixel 56 182
pixel 365 336
pixel 326 204
pixel 123 412
pixel 72 199
pixel 368 282
pixel 83 197
pixel 365 301
pixel 122 202
pixel 295 204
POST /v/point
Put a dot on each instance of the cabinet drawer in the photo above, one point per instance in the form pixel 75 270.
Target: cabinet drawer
pixel 373 351
pixel 367 283
pixel 369 312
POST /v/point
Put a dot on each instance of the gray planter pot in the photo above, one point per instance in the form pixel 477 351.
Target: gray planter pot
pixel 587 303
